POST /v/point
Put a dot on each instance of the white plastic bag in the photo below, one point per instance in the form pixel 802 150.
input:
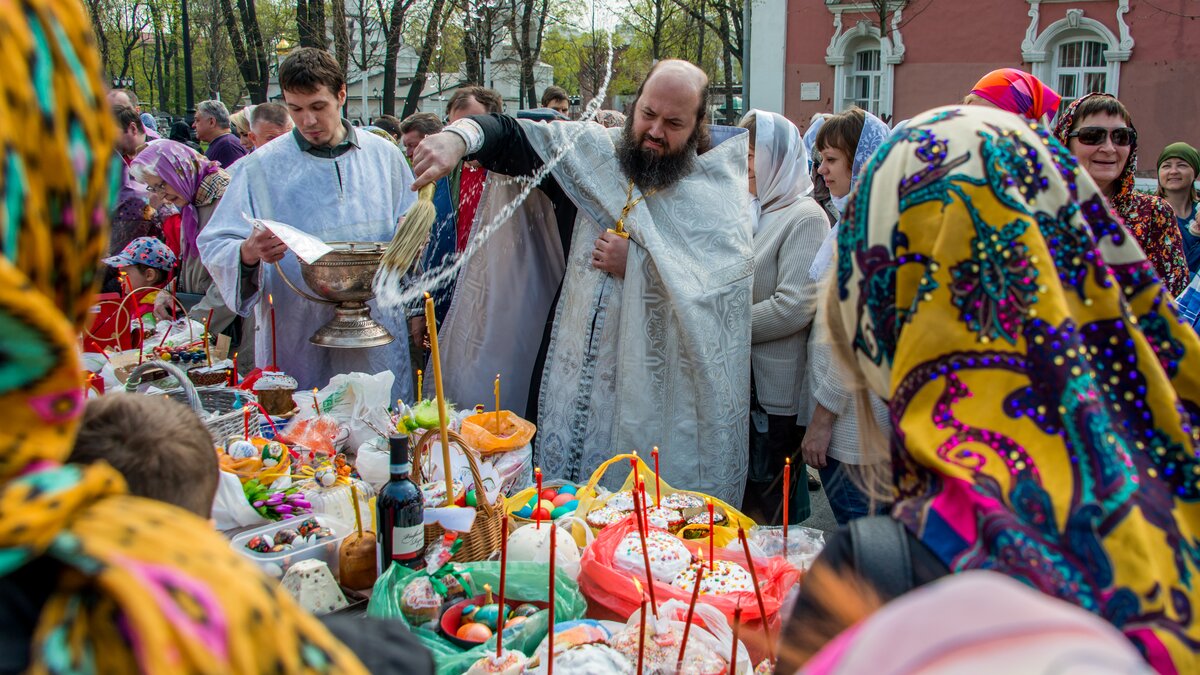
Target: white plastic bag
pixel 230 508
pixel 357 401
pixel 373 461
pixel 714 639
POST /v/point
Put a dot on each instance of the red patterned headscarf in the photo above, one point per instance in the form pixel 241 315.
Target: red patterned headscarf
pixel 1018 92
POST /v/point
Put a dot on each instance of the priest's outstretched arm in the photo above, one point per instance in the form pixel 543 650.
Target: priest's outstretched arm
pixel 499 144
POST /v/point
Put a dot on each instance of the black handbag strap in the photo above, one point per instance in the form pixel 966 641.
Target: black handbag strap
pixel 881 554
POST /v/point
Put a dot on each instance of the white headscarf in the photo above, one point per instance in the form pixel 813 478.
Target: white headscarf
pixel 780 162
pixel 875 131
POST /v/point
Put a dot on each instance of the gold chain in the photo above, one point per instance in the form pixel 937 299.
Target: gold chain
pixel 630 202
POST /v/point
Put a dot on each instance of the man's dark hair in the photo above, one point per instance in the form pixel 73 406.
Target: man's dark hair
pixel 160 446
pixel 489 98
pixel 272 112
pixel 307 68
pixel 702 135
pixel 424 122
pixel 126 116
pixel 389 124
pixel 553 93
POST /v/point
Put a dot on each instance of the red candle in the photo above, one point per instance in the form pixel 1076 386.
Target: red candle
pixel 234 374
pixel 638 507
pixel 274 353
pixel 737 623
pixel 687 625
pixel 316 405
pixel 246 422
pixel 550 636
pixel 126 285
pixel 641 485
pixel 641 629
pixel 712 533
pixel 787 484
pixel 657 480
pixel 762 608
pixel 503 564
pixel 163 341
pixel 537 475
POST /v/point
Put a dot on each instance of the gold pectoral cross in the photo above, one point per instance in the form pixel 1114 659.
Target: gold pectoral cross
pixel 630 202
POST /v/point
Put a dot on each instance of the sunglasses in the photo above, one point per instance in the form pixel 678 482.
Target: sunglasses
pixel 1121 136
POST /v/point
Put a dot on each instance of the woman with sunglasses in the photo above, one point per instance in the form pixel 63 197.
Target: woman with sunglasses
pixel 1099 131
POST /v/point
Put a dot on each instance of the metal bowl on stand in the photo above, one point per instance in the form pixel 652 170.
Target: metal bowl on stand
pixel 343 278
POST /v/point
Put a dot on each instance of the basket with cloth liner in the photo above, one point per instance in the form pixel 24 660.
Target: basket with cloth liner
pixel 590 499
pixel 484 537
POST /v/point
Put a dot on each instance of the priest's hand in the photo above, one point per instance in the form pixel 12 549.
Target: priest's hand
pixel 436 156
pixel 419 332
pixel 610 254
pixel 262 246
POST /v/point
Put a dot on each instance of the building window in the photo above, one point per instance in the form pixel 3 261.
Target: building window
pixel 864 63
pixel 1080 69
pixel 1077 55
pixel 864 77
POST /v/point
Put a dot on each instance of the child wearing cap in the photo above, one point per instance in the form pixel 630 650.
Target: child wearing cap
pixel 147 263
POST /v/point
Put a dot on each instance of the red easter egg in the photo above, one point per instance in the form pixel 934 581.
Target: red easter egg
pixel 541 514
pixel 474 632
pixel 563 499
pixel 548 494
pixel 460 499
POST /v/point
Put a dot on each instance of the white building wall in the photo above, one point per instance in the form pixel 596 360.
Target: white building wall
pixel 768 49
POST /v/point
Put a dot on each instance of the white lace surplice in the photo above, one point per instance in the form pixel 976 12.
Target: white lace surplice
pixel 663 357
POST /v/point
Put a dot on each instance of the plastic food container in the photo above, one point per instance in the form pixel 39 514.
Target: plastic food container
pixel 276 564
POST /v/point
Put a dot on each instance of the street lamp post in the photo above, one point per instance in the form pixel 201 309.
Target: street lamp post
pixel 122 83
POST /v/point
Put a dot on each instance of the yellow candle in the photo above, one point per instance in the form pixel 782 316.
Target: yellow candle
pixel 435 356
pixel 420 387
pixel 497 404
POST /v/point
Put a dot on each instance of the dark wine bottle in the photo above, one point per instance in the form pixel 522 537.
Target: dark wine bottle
pixel 401 513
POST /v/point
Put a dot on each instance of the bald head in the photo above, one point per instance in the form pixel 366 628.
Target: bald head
pixel 681 76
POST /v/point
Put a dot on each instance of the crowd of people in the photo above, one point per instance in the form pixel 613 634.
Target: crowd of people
pixel 964 324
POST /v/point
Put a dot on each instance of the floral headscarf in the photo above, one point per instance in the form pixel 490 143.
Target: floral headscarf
pixel 184 170
pixel 1019 93
pixel 145 587
pixel 1149 218
pixel 1044 396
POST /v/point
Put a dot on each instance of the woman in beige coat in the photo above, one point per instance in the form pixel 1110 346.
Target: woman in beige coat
pixel 789 226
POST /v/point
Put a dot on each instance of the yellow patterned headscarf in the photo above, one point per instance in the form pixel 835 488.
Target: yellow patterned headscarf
pixel 1044 395
pixel 146 586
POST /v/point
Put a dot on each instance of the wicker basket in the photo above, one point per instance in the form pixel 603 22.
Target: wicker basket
pixel 484 538
pixel 203 401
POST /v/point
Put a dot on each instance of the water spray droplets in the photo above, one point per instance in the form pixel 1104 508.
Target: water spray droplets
pixel 396 289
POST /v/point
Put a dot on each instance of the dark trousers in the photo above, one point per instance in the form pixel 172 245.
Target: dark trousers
pixel 846 500
pixel 764 483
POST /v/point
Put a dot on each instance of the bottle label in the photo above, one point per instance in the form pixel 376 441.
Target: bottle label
pixel 407 542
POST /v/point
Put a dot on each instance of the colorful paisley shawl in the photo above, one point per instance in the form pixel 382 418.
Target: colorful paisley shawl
pixel 147 586
pixel 1044 396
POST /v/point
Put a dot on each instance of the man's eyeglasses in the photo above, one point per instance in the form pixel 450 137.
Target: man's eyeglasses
pixel 1121 136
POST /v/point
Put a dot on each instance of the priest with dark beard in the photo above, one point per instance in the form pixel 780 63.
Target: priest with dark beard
pixel 650 337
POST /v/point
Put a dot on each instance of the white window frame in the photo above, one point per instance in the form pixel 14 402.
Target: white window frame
pixel 850 72
pixel 844 45
pixel 1081 72
pixel 1040 48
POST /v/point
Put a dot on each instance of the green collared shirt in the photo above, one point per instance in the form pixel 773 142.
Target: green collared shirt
pixel 324 151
